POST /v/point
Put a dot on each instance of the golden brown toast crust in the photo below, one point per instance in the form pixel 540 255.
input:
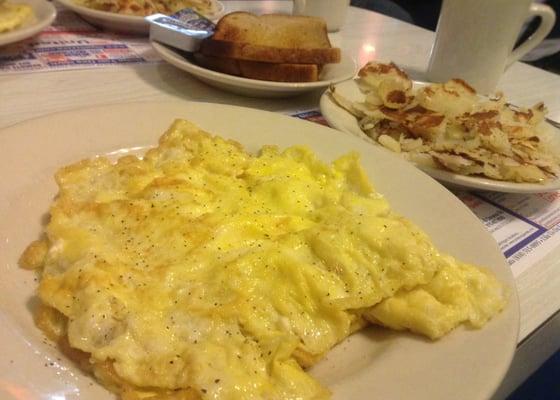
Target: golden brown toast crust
pixel 277 30
pixel 259 70
pixel 251 52
pixel 272 38
pixel 279 72
pixel 220 64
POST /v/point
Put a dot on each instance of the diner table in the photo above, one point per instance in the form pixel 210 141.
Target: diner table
pixel 365 36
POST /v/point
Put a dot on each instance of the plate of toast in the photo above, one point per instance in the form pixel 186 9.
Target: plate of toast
pixel 272 55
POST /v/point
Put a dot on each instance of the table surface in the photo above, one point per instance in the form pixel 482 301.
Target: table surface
pixel 365 36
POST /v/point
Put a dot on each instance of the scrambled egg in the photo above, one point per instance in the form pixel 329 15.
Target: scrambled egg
pixel 208 8
pixel 201 271
pixel 12 16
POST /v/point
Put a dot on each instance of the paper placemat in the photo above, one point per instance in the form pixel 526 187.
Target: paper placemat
pixel 72 43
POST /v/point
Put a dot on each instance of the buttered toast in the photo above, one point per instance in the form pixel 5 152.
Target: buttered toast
pixel 281 72
pixel 273 38
pixel 272 47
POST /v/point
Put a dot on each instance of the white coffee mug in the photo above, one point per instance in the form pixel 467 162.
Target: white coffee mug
pixel 332 11
pixel 475 38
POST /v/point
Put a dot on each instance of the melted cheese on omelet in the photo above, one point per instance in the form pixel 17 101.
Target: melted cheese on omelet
pixel 12 16
pixel 201 266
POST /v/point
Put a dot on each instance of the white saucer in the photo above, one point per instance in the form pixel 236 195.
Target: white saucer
pixel 342 120
pixel 119 22
pixel 44 14
pixel 332 73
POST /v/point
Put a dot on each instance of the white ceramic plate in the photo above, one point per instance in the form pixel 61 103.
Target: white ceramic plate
pixel 119 22
pixel 332 73
pixel 44 14
pixel 342 120
pixel 466 364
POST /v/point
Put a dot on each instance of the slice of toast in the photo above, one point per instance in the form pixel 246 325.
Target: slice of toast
pixel 260 70
pixel 272 38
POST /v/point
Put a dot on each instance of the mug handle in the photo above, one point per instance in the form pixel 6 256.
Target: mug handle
pixel 299 7
pixel 548 17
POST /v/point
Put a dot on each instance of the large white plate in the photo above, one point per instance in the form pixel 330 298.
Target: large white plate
pixel 331 73
pixel 119 22
pixel 373 363
pixel 342 120
pixel 44 14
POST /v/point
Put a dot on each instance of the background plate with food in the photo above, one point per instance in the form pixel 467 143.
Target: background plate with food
pixel 449 131
pixel 128 16
pixel 330 74
pixel 465 364
pixel 32 17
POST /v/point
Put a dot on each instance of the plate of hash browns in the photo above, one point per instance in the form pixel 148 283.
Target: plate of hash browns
pixel 448 130
pixel 164 253
pixel 127 16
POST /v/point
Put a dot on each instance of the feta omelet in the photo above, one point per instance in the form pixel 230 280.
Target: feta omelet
pixel 12 16
pixel 200 271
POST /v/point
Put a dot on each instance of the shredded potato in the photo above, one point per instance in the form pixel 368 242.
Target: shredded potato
pixel 449 126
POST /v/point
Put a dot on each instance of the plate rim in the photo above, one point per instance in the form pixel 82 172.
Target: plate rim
pixel 35 27
pixel 135 21
pixel 451 178
pixel 513 299
pixel 172 57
